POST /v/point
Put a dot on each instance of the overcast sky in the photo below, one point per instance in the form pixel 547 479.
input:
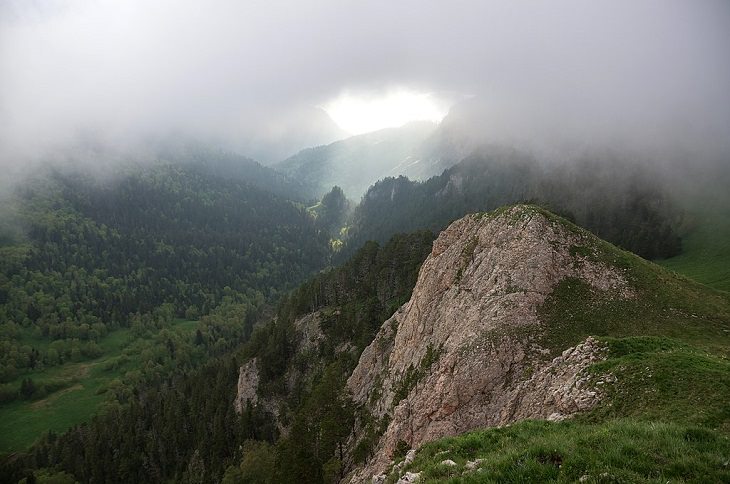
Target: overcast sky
pixel 248 72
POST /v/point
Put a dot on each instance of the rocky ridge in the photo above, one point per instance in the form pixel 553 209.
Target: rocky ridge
pixel 465 351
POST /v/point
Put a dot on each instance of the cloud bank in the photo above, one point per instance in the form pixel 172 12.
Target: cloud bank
pixel 249 75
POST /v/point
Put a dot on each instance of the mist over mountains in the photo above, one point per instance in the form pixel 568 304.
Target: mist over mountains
pixel 651 77
pixel 327 242
pixel 357 162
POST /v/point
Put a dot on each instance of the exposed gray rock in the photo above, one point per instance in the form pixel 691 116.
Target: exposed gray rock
pixel 309 333
pixel 472 465
pixel 308 337
pixel 462 353
pixel 410 456
pixel 558 389
pixel 409 477
pixel 248 382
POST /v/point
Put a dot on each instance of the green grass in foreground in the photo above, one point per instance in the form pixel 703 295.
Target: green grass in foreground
pixel 570 451
pixel 665 419
pixel 82 388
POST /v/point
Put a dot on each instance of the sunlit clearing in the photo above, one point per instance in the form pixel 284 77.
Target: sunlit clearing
pixel 361 113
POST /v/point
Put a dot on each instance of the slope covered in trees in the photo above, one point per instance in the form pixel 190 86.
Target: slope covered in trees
pixel 136 250
pixel 183 427
pixel 97 252
pixel 208 161
pixel 617 200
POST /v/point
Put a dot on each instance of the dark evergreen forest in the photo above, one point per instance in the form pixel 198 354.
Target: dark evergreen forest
pixel 618 200
pixel 97 253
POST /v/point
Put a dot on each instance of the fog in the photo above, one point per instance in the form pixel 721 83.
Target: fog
pixel 248 76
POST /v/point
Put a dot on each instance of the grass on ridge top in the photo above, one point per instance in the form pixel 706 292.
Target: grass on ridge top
pixel 664 304
pixel 662 379
pixel 571 451
pixel 669 344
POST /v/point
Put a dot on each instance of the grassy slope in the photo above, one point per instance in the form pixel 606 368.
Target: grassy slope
pixel 82 393
pixel 611 452
pixel 706 249
pixel 665 418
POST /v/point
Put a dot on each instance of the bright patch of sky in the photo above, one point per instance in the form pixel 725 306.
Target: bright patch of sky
pixel 359 113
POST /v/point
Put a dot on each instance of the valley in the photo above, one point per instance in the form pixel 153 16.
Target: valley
pixel 364 243
pixel 72 393
pixel 676 331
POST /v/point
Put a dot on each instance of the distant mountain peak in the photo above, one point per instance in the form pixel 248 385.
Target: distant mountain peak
pixel 357 162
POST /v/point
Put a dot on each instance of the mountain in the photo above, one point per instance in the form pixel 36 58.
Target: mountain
pixel 501 327
pixel 356 163
pixel 457 136
pixel 508 315
pixel 110 281
pixel 613 197
pixel 272 134
pixel 227 165
pixel 418 150
pixel 516 314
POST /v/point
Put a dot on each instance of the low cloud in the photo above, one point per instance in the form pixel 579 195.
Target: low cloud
pixel 249 75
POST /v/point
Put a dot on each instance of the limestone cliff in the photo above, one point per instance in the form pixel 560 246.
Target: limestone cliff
pixel 308 336
pixel 465 352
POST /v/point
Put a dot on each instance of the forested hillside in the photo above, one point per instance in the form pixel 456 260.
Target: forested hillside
pixel 94 264
pixel 615 199
pixel 209 161
pixel 97 252
pixel 186 423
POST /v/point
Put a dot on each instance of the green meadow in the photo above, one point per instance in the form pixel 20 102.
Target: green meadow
pixel 705 253
pixel 80 388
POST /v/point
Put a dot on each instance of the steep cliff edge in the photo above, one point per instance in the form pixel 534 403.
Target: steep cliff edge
pixel 466 351
pixel 510 315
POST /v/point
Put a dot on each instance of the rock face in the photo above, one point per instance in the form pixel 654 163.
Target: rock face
pixel 248 383
pixel 463 352
pixel 308 337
